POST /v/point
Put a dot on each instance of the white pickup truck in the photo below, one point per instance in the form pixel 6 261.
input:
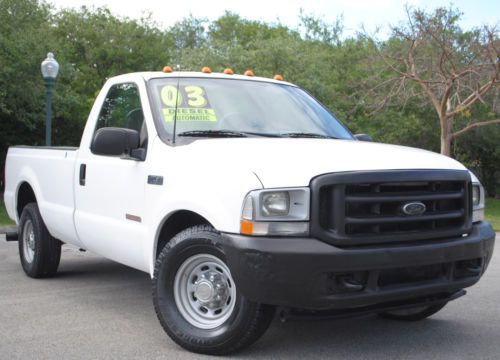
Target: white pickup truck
pixel 240 195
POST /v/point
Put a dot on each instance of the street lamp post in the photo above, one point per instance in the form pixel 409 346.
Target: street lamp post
pixel 50 68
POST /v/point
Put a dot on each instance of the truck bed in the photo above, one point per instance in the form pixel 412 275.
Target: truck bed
pixel 66 148
pixel 50 171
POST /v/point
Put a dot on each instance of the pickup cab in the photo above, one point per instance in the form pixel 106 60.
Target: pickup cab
pixel 241 195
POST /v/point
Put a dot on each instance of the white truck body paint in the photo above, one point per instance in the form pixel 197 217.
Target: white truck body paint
pixel 209 177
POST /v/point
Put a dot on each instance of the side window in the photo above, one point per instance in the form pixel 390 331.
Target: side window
pixel 122 108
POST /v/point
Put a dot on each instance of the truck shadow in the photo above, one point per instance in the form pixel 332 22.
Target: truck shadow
pixel 369 337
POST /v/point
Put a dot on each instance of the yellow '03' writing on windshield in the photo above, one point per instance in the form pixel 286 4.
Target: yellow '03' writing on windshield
pixel 188 103
pixel 168 96
pixel 195 96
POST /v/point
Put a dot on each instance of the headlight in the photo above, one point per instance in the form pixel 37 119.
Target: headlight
pixel 476 195
pixel 276 212
pixel 477 202
pixel 275 203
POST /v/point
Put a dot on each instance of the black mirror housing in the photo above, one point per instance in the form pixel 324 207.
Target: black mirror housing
pixel 115 141
pixel 363 137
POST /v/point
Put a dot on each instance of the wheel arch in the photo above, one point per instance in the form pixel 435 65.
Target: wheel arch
pixel 25 195
pixel 173 224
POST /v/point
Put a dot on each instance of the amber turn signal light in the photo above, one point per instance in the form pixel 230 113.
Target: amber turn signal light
pixel 246 227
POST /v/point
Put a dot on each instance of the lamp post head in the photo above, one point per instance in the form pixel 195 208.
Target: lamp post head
pixel 50 67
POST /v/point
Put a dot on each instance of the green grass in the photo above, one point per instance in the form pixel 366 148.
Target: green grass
pixel 4 218
pixel 493 212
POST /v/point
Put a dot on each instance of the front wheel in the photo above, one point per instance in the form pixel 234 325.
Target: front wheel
pixel 412 314
pixel 197 300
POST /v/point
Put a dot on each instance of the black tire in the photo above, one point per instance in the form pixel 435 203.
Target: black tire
pixel 247 320
pixel 42 258
pixel 412 314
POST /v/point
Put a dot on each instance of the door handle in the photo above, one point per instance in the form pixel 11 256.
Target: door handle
pixel 83 171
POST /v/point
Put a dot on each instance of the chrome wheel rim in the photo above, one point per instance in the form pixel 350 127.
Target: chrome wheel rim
pixel 29 241
pixel 204 291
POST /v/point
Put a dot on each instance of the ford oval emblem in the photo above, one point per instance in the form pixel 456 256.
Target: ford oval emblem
pixel 413 208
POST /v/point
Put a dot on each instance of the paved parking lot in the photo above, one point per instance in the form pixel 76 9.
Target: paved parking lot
pixel 96 309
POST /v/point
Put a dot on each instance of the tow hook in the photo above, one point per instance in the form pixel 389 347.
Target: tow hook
pixel 473 268
pixel 350 284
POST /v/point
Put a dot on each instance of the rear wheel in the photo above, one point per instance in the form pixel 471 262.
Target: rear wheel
pixel 197 300
pixel 412 314
pixel 39 252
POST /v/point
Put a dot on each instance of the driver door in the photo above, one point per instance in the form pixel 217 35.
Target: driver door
pixel 109 192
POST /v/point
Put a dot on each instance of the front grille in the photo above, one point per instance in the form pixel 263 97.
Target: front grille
pixel 368 207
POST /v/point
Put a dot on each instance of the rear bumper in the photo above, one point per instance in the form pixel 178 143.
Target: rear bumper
pixel 311 274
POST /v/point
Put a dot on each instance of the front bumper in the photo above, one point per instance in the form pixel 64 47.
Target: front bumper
pixel 311 274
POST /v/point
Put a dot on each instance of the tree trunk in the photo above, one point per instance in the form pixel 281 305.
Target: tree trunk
pixel 446 133
pixel 446 145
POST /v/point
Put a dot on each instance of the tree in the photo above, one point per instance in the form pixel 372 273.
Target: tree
pixel 93 45
pixel 24 31
pixel 90 45
pixel 454 70
pixel 480 152
pixel 344 73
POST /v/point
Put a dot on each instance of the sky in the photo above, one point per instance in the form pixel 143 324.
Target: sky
pixel 371 13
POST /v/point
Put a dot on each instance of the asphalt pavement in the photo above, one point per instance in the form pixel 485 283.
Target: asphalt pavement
pixel 97 309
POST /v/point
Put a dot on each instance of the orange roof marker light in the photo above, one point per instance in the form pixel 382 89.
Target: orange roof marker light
pixel 167 69
pixel 228 71
pixel 206 70
pixel 278 77
pixel 249 73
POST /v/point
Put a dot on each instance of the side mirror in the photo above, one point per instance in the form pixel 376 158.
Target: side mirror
pixel 363 137
pixel 116 142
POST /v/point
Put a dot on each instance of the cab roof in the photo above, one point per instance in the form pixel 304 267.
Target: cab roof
pixel 190 74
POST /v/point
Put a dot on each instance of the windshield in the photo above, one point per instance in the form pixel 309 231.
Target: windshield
pixel 238 108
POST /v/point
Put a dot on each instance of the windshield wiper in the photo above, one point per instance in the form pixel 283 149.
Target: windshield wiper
pixel 232 133
pixel 225 133
pixel 212 133
pixel 261 134
pixel 307 135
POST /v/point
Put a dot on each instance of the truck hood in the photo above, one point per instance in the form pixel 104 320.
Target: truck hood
pixel 294 162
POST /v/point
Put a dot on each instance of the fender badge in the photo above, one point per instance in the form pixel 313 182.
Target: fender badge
pixel 155 180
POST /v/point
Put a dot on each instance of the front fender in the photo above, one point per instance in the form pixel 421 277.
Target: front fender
pixel 220 204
